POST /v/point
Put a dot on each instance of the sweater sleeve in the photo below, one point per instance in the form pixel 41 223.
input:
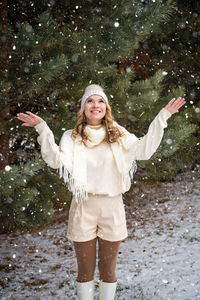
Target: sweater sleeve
pixel 50 151
pixel 146 146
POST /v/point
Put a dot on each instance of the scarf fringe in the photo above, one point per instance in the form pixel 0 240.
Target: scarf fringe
pixel 79 192
pixel 133 170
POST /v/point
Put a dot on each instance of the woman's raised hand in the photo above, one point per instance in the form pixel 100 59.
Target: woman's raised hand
pixel 29 119
pixel 174 105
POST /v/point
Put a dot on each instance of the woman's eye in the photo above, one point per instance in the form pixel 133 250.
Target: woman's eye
pixel 89 100
pixel 101 101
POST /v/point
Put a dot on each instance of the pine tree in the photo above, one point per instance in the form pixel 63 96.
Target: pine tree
pixel 174 47
pixel 50 60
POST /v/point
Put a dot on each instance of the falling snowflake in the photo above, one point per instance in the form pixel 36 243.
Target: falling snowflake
pixel 197 109
pixel 7 168
pixel 169 141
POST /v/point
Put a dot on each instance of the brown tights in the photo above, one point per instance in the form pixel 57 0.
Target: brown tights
pixel 86 259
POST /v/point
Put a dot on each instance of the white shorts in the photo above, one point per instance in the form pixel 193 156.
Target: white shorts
pixel 101 216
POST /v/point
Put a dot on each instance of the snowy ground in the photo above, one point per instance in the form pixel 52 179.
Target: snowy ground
pixel 159 260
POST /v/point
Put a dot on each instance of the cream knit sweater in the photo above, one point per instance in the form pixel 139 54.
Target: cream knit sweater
pixel 102 174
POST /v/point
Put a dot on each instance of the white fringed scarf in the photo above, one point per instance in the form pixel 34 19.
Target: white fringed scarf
pixel 73 162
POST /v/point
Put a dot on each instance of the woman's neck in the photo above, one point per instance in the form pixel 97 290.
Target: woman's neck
pixel 94 126
pixel 94 122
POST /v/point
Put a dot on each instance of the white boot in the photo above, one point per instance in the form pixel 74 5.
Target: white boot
pixel 85 290
pixel 107 290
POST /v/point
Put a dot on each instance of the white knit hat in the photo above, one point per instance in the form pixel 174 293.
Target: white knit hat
pixel 93 89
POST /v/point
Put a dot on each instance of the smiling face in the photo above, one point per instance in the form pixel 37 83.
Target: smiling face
pixel 95 109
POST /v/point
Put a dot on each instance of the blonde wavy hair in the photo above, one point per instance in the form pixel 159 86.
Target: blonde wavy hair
pixel 113 133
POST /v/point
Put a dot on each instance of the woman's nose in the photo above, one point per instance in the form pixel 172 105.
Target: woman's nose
pixel 95 104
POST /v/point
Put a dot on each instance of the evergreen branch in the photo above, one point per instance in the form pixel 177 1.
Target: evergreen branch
pixel 19 175
pixel 28 102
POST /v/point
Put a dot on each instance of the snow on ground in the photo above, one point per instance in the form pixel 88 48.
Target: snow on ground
pixel 160 259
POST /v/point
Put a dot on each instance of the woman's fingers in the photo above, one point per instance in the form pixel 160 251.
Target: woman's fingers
pixel 30 113
pixel 29 119
pixel 180 102
pixel 24 117
pixel 35 117
pixel 178 105
pixel 174 105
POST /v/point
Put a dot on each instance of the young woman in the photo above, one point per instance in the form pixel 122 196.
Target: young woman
pixel 97 161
